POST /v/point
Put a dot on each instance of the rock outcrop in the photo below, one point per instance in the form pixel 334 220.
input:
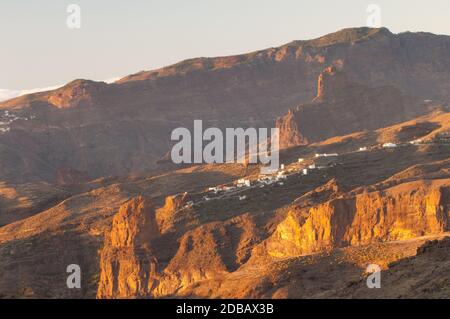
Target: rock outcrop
pixel 401 212
pixel 78 93
pixel 332 85
pixel 137 261
pixel 168 215
pixel 290 133
pixel 127 263
pixel 343 107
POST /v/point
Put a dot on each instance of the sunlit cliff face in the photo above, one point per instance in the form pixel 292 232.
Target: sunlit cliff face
pixel 399 213
pixel 130 265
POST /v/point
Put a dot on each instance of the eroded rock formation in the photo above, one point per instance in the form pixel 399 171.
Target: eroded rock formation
pixel 127 261
pixel 132 266
pixel 203 257
pixel 342 107
pixel 401 212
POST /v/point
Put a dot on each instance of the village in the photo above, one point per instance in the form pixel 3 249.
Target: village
pixel 7 118
pixel 242 188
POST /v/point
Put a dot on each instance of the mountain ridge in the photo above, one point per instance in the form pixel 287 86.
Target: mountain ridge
pixel 346 35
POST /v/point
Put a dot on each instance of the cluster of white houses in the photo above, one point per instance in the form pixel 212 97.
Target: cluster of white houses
pixel 394 145
pixel 6 118
pixel 270 179
pixel 326 155
pixel 262 181
pixel 242 183
pixel 282 174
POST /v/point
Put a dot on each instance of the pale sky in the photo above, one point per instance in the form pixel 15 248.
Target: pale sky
pixel 119 37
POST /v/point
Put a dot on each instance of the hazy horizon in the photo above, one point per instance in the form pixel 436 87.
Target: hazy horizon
pixel 117 39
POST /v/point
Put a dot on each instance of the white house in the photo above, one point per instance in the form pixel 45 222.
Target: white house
pixel 243 183
pixel 305 171
pixel 312 166
pixel 242 197
pixel 416 142
pixel 301 160
pixel 389 145
pixel 267 180
pixel 327 155
pixel 213 189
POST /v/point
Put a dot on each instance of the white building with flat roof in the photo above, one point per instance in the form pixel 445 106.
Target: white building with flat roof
pixel 389 145
pixel 243 183
pixel 327 155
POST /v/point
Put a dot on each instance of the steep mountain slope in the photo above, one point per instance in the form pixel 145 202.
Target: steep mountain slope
pixel 400 212
pixel 38 249
pixel 342 107
pixel 205 259
pixel 129 122
pixel 422 275
pixel 140 237
pixel 412 62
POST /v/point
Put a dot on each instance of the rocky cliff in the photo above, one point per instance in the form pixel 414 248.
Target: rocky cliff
pixel 343 107
pixel 400 212
pixel 208 257
pixel 127 262
pixel 138 261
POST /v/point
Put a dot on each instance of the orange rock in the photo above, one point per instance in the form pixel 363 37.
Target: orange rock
pixel 405 211
pixel 126 261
